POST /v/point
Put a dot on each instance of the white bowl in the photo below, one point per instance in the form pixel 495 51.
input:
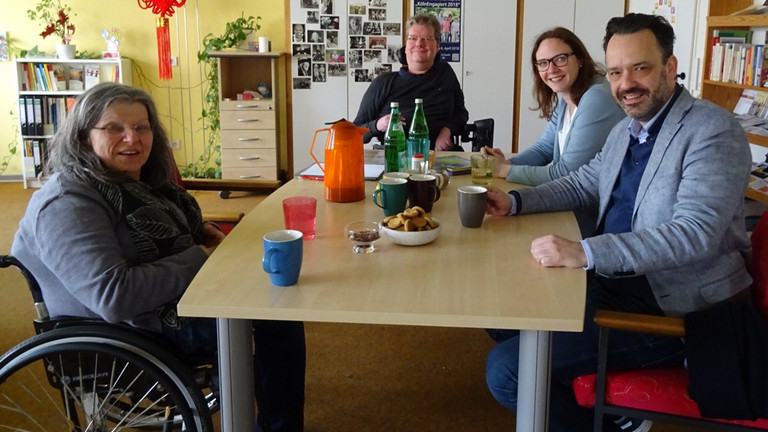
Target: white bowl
pixel 411 238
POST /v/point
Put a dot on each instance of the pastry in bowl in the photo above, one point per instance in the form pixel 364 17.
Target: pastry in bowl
pixel 412 227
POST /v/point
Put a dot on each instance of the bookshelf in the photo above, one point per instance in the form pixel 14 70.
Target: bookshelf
pixel 45 88
pixel 723 93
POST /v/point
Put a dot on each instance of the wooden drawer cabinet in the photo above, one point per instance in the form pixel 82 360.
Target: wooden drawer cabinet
pixel 248 138
pixel 252 142
pixel 247 119
pixel 249 173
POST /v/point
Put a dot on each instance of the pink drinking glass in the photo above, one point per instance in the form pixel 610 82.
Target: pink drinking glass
pixel 300 214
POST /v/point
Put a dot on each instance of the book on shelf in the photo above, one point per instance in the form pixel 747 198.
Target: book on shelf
pixel 23 114
pixel 24 75
pixel 38 155
pixel 758 178
pixel 91 75
pixel 49 78
pixel 76 77
pixel 29 159
pixel 59 76
pixel 40 77
pixel 30 115
pixel 751 111
pixel 739 56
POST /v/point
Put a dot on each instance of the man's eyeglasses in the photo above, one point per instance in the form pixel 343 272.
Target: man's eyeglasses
pixel 115 129
pixel 559 60
pixel 414 39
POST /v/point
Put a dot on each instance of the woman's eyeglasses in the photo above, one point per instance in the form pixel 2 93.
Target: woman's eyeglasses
pixel 115 129
pixel 559 60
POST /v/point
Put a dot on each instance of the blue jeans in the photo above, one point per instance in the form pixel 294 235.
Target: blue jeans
pixel 279 361
pixel 573 355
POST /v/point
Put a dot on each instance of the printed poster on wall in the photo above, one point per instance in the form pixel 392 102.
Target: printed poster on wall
pixel 448 14
pixel 332 39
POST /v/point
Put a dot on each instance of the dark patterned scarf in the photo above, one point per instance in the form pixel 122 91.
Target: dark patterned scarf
pixel 162 221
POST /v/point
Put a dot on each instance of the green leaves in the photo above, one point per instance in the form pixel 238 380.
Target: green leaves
pixel 235 32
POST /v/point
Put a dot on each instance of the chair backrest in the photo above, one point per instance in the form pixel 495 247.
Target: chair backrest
pixel 479 133
pixel 760 265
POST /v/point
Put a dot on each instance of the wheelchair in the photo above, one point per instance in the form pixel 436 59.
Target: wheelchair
pixel 80 374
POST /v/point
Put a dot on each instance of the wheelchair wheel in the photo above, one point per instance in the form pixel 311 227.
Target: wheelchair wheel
pixel 97 379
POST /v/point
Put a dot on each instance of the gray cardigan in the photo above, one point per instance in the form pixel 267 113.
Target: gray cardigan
pixel 688 234
pixel 80 252
pixel 596 116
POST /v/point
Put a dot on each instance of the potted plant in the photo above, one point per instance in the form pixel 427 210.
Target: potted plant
pixel 55 16
pixel 235 33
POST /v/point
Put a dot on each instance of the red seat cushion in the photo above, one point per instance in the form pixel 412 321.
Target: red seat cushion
pixel 760 264
pixel 659 390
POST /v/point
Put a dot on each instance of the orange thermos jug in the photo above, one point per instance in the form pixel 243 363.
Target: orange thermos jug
pixel 344 170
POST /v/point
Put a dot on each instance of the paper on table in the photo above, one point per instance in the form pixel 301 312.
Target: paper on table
pixel 372 172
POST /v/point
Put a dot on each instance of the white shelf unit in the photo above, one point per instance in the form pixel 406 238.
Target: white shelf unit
pixel 42 107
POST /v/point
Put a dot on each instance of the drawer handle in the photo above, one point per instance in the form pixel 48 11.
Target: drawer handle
pixel 247 120
pixel 249 139
pixel 250 176
pixel 249 157
pixel 248 106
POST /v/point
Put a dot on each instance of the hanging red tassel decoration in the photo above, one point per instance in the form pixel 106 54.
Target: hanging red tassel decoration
pixel 163 8
pixel 164 49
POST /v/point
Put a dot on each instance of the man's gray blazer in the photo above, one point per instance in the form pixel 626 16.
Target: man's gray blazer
pixel 688 234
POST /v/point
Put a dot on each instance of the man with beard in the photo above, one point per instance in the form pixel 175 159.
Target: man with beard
pixel 670 237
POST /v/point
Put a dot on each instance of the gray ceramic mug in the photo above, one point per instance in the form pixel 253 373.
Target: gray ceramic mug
pixel 472 205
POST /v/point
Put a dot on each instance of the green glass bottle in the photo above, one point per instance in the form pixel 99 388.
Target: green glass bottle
pixel 394 141
pixel 418 136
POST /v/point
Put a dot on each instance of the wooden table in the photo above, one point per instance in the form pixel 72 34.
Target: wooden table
pixel 475 278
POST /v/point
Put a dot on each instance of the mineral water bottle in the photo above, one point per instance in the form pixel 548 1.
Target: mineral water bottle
pixel 394 141
pixel 418 136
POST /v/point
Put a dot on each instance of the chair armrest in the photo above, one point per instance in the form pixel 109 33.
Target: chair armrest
pixel 670 326
pixel 232 217
pixel 229 184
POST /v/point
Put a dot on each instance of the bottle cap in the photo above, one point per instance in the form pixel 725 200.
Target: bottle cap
pixel 418 156
pixel 419 100
pixel 394 105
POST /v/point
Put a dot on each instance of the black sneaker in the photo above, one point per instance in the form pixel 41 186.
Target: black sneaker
pixel 633 425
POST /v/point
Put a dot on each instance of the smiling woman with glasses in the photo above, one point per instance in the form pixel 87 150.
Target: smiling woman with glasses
pixel 573 94
pixel 112 236
pixel 423 76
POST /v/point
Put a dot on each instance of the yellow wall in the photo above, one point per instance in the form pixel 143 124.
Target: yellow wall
pixel 178 101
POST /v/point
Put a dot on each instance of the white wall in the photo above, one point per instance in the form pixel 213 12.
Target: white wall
pixel 689 21
pixel 487 71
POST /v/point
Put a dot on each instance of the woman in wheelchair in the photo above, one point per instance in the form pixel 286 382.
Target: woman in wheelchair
pixel 111 236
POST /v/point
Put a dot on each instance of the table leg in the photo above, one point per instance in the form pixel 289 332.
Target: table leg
pixel 236 375
pixel 533 385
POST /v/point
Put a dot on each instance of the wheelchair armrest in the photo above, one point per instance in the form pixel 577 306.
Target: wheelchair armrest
pixel 670 326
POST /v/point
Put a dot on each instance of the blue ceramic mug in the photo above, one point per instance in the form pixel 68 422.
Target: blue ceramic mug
pixel 283 252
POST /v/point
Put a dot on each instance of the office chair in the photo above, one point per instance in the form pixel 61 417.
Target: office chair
pixel 82 374
pixel 479 133
pixel 662 394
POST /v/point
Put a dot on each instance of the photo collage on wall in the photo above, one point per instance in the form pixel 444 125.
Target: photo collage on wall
pixel 321 52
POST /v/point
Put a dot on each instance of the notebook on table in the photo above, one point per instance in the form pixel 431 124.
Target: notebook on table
pixel 455 165
pixel 314 172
